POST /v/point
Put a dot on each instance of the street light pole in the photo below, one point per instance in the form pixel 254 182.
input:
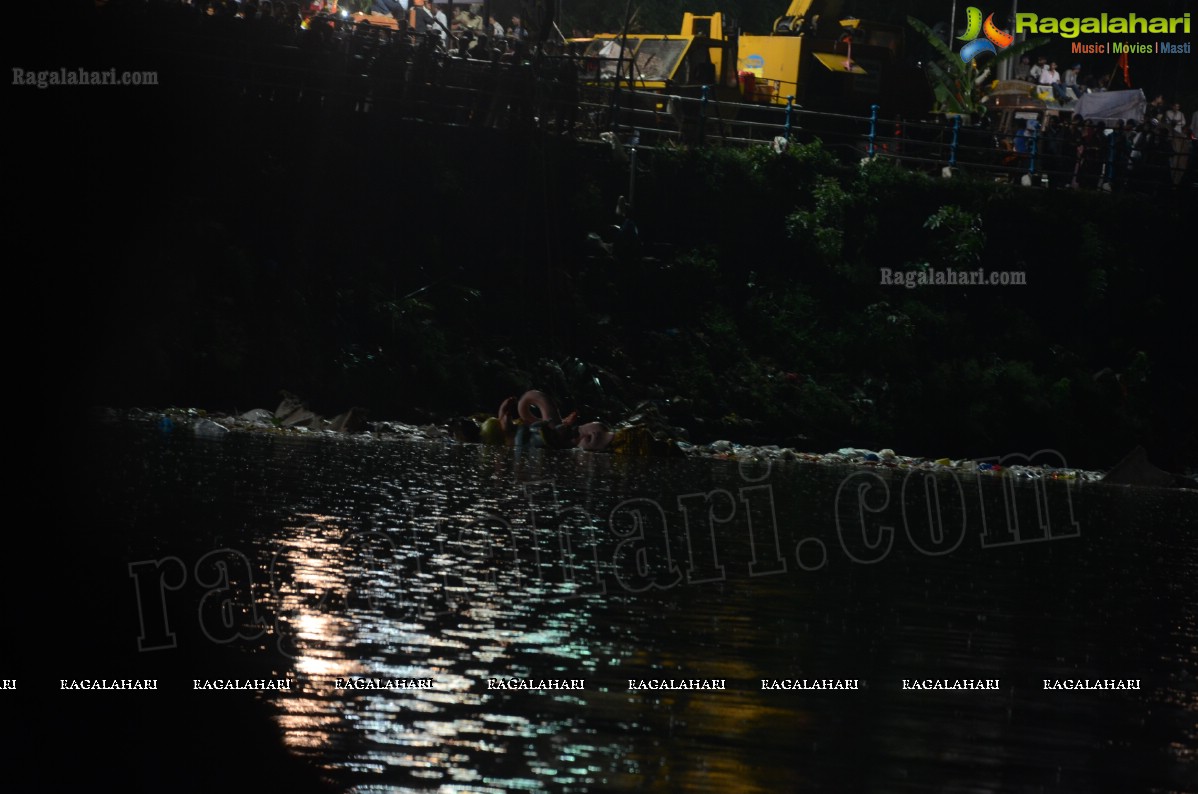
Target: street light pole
pixel 952 27
pixel 1006 68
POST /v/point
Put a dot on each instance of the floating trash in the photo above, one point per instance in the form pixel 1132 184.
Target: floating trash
pixel 206 428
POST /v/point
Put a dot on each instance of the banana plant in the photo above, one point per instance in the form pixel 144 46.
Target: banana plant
pixel 958 84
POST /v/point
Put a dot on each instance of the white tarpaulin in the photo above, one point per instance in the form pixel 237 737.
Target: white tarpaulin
pixel 1111 106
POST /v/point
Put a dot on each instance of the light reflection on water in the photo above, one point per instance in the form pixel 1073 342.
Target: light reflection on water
pixel 417 626
pixel 424 561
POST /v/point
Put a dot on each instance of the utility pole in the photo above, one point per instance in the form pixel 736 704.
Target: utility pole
pixel 1006 68
pixel 952 27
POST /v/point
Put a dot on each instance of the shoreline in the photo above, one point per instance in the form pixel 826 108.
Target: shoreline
pixel 217 425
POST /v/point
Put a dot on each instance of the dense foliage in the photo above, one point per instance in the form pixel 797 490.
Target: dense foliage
pixel 749 305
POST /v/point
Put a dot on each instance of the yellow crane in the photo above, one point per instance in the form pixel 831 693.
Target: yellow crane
pixel 698 55
pixel 814 53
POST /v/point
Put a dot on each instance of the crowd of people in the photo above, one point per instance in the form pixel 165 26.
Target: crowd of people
pixel 1089 153
pixel 1074 151
pixel 1065 88
pixel 430 17
pixel 467 25
pixel 288 18
pixel 322 58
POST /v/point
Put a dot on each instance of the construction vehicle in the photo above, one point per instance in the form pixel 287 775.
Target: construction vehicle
pixel 1012 103
pixel 811 56
pixel 656 81
pixel 826 62
pixel 698 56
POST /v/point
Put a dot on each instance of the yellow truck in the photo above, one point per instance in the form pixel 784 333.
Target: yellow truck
pixel 697 56
pixel 821 60
pixel 831 63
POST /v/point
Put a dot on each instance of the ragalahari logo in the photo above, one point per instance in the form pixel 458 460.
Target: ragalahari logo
pixel 995 39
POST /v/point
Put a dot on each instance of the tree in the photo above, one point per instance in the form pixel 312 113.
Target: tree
pixel 958 84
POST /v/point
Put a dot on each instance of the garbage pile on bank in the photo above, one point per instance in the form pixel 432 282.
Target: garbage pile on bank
pixel 295 420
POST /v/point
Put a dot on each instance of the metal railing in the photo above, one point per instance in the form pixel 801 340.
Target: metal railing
pixel 371 71
pixel 945 148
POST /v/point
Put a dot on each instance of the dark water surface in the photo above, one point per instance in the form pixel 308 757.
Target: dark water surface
pixel 318 559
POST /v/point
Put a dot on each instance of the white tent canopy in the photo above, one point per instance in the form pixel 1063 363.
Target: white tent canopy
pixel 1111 106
